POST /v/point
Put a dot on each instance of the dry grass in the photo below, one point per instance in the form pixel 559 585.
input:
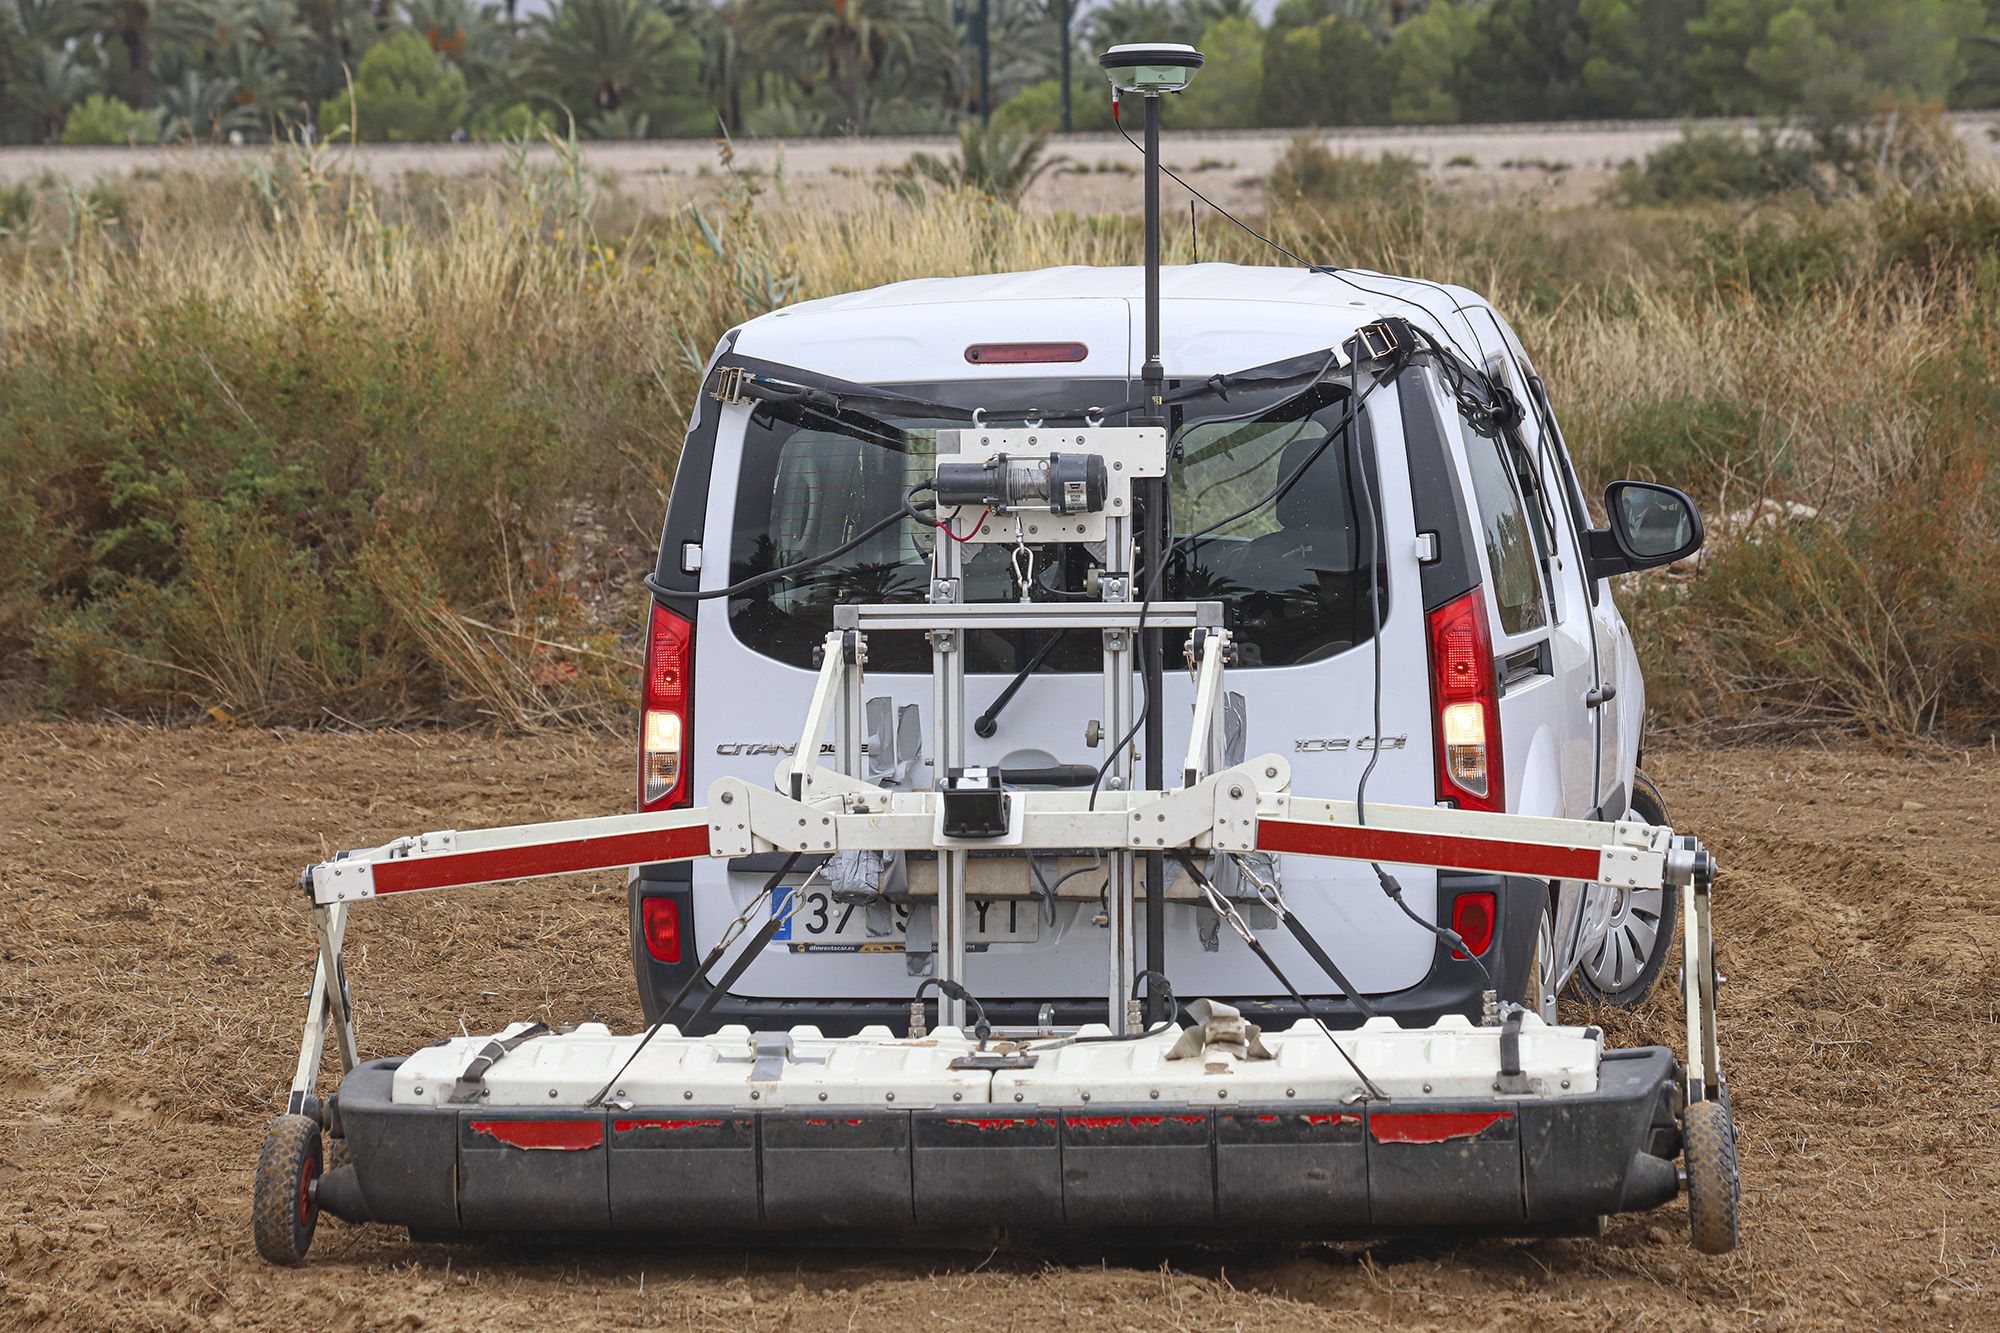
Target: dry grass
pixel 514 360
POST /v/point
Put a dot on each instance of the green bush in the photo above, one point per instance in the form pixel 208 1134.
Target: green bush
pixel 103 119
pixel 1704 166
pixel 1309 173
pixel 403 93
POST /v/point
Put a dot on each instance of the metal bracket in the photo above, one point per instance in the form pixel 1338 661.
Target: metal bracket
pixel 728 387
pixel 743 820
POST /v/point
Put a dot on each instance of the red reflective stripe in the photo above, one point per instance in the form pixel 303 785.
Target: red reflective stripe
pixel 1000 1123
pixel 560 1135
pixel 627 1126
pixel 1113 1121
pixel 1355 843
pixel 1432 1126
pixel 549 858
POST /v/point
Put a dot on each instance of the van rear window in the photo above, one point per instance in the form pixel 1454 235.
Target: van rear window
pixel 1293 572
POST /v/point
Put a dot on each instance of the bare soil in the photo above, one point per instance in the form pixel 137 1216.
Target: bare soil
pixel 153 952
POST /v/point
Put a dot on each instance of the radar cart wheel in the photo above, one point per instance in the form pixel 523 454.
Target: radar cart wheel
pixel 1713 1185
pixel 285 1204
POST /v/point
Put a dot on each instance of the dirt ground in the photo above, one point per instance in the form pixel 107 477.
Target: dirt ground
pixel 153 952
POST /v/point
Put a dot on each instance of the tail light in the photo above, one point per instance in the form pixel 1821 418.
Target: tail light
pixel 660 921
pixel 1467 698
pixel 1472 917
pixel 667 710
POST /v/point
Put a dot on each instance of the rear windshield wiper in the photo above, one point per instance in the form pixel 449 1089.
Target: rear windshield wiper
pixel 988 722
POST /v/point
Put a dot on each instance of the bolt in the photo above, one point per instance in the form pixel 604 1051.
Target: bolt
pixel 1235 793
pixel 688 1096
pixel 1270 772
pixel 420 1092
pixel 1154 1094
pixel 1427 1087
pixel 729 798
pixel 1222 1093
pixel 1020 1096
pixel 958 1096
pixel 1496 1085
pixel 552 1092
pixel 1086 1096
pixel 1291 1092
pixel 822 1096
pixel 1565 1083
pixel 756 1096
pixel 890 1095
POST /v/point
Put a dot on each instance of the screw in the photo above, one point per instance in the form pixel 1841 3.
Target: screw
pixel 1222 1093
pixel 1155 1094
pixel 890 1095
pixel 552 1092
pixel 1020 1096
pixel 688 1096
pixel 1086 1096
pixel 1291 1092
pixel 1270 772
pixel 756 1096
pixel 1235 793
pixel 420 1092
pixel 1565 1083
pixel 958 1096
pixel 1427 1087
pixel 729 798
pixel 822 1096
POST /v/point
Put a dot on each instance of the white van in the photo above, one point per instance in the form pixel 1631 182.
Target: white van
pixel 1505 677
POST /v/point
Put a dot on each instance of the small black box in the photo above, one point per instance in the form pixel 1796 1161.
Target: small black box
pixel 975 805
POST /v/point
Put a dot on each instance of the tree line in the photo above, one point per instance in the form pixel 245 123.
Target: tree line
pixel 117 71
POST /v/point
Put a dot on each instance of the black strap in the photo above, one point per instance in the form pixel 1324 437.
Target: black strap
pixel 736 970
pixel 1511 1081
pixel 1326 963
pixel 472 1082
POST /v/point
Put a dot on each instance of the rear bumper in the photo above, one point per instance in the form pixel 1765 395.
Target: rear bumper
pixel 1453 985
pixel 1532 1165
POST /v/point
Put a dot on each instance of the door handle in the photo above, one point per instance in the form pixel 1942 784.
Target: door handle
pixel 1600 696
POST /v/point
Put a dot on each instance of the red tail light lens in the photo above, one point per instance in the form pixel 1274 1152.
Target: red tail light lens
pixel 1472 918
pixel 660 922
pixel 1467 698
pixel 666 711
pixel 1022 354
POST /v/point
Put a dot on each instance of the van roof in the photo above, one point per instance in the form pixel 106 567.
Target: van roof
pixel 1214 318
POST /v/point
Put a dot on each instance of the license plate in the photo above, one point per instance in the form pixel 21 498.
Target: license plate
pixel 823 925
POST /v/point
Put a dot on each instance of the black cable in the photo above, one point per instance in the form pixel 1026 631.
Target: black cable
pixel 1391 886
pixel 785 571
pixel 981 1028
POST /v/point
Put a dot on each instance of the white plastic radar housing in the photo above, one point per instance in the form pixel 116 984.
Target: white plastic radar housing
pixel 1150 67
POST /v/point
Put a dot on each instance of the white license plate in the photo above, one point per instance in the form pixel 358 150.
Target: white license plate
pixel 821 924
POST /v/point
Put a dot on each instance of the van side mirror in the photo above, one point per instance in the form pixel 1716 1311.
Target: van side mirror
pixel 1651 525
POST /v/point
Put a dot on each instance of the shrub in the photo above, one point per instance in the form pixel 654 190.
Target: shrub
pixel 1711 165
pixel 103 119
pixel 404 92
pixel 1308 172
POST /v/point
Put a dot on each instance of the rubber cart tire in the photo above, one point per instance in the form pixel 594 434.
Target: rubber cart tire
pixel 1713 1185
pixel 285 1206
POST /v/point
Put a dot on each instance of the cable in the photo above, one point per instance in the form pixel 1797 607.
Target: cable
pixel 1391 886
pixel 874 529
pixel 981 1028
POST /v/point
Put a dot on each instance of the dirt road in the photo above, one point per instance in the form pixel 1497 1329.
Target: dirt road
pixel 1562 162
pixel 152 954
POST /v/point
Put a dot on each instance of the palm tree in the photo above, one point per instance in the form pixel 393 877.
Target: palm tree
pixel 465 32
pixel 52 86
pixel 603 49
pixel 996 162
pixel 202 106
pixel 849 40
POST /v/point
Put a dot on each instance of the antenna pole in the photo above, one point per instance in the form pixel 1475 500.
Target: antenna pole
pixel 1153 539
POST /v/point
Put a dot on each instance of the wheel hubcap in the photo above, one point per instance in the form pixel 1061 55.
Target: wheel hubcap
pixel 1631 934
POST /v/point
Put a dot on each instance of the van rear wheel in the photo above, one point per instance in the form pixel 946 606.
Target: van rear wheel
pixel 1639 930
